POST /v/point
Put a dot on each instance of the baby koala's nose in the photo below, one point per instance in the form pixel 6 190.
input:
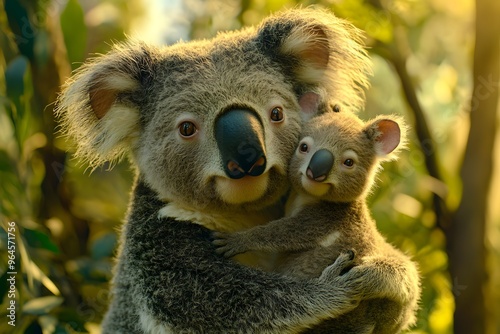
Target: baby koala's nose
pixel 320 165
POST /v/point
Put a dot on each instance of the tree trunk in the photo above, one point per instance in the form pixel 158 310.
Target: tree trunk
pixel 466 237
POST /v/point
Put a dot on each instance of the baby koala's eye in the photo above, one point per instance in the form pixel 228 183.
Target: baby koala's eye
pixel 304 148
pixel 349 163
pixel 277 115
pixel 187 129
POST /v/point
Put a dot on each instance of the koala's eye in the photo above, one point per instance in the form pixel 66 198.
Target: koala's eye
pixel 187 129
pixel 349 163
pixel 304 148
pixel 277 114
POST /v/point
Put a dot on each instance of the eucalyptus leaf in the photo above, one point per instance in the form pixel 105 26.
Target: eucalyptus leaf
pixel 14 77
pixel 6 164
pixel 103 246
pixel 75 32
pixel 39 239
pixel 42 305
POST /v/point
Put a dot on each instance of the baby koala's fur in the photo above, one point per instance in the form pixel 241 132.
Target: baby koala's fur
pixel 327 214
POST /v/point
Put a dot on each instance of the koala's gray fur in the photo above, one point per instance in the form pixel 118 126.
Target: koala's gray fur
pixel 329 216
pixel 160 106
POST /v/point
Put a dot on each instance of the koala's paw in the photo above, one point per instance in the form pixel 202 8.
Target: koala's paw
pixel 346 293
pixel 384 278
pixel 343 263
pixel 228 244
pixel 371 281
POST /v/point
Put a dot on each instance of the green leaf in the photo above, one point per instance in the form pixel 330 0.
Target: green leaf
pixel 21 26
pixel 39 239
pixel 14 77
pixel 103 246
pixel 42 305
pixel 5 162
pixel 75 32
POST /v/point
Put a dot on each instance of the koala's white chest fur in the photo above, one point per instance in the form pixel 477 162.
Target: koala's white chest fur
pixel 296 202
pixel 330 239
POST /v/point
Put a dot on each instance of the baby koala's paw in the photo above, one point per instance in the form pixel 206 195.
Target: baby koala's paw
pixel 336 276
pixel 228 244
pixel 343 263
pixel 374 280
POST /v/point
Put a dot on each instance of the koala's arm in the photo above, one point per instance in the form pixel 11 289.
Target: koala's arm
pixel 394 293
pixel 391 305
pixel 302 231
pixel 177 283
pixel 395 278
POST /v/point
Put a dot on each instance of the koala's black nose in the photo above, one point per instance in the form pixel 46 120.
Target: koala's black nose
pixel 320 165
pixel 240 137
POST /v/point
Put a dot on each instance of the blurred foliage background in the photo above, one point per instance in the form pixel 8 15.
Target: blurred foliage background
pixel 436 63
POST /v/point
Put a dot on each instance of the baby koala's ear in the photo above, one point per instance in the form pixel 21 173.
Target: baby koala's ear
pixel 387 134
pixel 309 105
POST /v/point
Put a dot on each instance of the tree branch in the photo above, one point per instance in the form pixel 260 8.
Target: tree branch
pixel 427 143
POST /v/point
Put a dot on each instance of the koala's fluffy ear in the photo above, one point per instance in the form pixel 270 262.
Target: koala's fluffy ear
pixel 99 106
pixel 388 134
pixel 320 51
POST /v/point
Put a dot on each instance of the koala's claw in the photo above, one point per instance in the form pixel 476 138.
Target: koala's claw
pixel 343 263
pixel 219 239
pixel 219 235
pixel 224 249
pixel 352 254
pixel 225 244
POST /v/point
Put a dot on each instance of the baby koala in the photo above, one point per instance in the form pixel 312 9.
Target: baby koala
pixel 332 172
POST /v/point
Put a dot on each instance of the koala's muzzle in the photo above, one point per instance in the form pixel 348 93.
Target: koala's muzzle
pixel 240 137
pixel 320 165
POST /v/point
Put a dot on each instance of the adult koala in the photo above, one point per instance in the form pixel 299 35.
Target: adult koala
pixel 210 126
